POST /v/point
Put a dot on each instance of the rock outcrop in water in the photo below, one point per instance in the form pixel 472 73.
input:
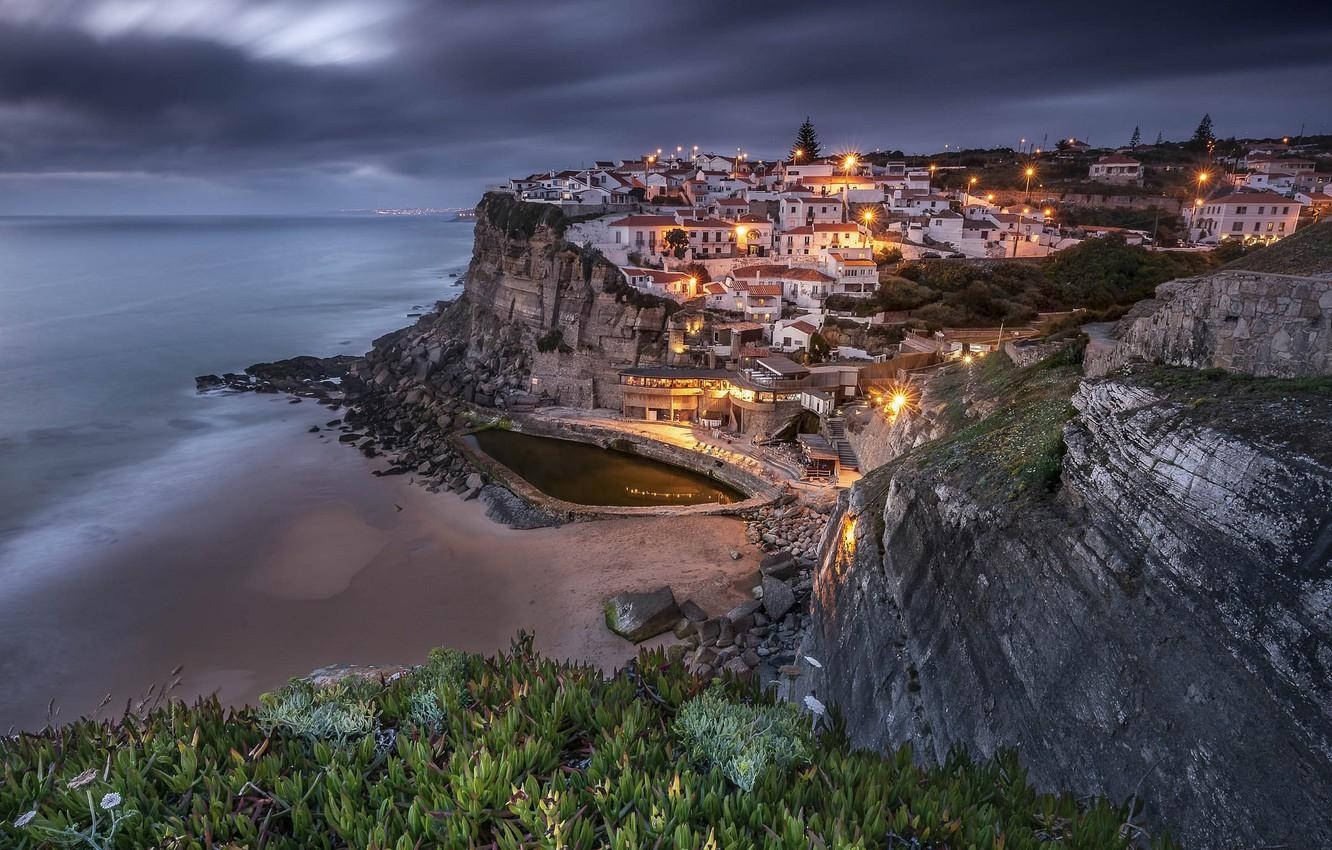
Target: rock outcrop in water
pixel 1128 578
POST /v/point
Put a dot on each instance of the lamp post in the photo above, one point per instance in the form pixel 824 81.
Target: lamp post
pixel 1026 193
pixel 847 164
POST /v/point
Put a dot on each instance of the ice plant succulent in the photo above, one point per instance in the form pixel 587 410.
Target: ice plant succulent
pixel 518 750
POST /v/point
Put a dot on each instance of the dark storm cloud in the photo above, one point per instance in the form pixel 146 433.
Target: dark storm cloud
pixel 298 103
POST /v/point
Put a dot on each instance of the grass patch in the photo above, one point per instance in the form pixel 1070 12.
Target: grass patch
pixel 1017 448
pixel 521 751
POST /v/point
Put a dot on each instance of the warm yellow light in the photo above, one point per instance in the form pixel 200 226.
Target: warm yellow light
pixel 973 181
pixel 1031 172
pixel 1285 140
pixel 966 358
pixel 897 402
pixel 1026 210
pixel 869 216
pixel 1197 202
pixel 740 231
pixel 1048 212
pixel 799 152
pixel 932 167
pixel 1203 176
pixel 849 163
pixel 989 197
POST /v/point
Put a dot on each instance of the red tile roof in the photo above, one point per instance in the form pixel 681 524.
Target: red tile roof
pixel 1117 159
pixel 768 270
pixel 764 289
pixel 804 327
pixel 646 221
pixel 824 227
pixel 807 274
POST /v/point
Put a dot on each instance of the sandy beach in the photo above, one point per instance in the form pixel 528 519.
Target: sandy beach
pixel 298 558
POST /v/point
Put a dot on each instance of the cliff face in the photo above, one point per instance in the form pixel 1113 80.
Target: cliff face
pixel 525 282
pixel 1158 624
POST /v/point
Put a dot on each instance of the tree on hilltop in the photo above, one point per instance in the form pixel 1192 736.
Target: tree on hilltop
pixel 1203 137
pixel 1137 137
pixel 1160 137
pixel 806 142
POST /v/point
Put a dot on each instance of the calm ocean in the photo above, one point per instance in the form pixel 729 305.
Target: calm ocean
pixel 104 322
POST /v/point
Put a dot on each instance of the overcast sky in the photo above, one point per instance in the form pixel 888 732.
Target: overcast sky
pixel 131 106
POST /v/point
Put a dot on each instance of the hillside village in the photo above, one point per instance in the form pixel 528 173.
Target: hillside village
pixel 772 268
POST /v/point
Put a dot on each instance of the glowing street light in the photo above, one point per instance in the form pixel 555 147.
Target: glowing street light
pixel 850 162
pixel 1026 193
pixel 797 153
pixel 966 358
pixel 898 401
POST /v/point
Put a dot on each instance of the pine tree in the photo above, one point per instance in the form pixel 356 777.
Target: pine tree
pixel 1137 137
pixel 1203 136
pixel 807 142
pixel 1160 137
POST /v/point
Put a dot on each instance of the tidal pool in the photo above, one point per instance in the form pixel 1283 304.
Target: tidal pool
pixel 590 475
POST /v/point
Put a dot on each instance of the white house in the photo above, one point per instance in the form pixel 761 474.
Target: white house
pixel 763 302
pixel 852 275
pixel 754 235
pixel 793 335
pixel 798 210
pixel 806 288
pixel 1244 214
pixel 819 238
pixel 642 233
pixel 1117 169
pixel 676 285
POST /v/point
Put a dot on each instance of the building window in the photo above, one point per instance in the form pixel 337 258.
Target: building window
pixel 1237 227
pixel 1241 210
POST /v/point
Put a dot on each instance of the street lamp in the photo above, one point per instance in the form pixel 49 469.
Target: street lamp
pixel 1026 193
pixel 847 164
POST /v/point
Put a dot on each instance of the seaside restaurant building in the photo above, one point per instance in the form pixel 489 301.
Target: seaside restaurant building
pixel 717 398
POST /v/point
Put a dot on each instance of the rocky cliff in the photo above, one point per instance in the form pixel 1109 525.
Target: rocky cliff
pixel 1125 578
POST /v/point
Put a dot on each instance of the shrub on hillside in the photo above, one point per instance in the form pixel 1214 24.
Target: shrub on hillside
pixel 521 751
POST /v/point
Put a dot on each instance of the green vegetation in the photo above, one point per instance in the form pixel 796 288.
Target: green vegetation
pixel 677 240
pixel 1016 450
pixel 520 751
pixel 1305 252
pixel 551 340
pixel 806 145
pixel 1168 227
pixel 1099 274
pixel 519 219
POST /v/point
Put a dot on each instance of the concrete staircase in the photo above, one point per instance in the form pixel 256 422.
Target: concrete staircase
pixel 846 456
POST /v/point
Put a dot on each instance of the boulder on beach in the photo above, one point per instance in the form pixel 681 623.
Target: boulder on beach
pixel 781 565
pixel 778 598
pixel 639 616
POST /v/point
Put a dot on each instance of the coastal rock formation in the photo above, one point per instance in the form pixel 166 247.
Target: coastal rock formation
pixel 1139 606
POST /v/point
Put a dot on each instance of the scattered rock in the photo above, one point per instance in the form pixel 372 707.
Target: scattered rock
pixel 778 598
pixel 691 610
pixel 639 616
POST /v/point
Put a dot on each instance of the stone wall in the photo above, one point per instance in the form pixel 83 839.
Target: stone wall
pixel 1267 325
pixel 1024 353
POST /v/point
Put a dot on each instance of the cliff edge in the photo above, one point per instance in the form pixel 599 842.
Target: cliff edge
pixel 1127 578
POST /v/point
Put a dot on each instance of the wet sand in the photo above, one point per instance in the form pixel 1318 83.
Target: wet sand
pixel 255 565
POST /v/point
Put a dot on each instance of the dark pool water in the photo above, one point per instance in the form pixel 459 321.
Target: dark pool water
pixel 590 475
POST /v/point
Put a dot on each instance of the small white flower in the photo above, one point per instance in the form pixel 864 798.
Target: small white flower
pixel 110 801
pixel 813 662
pixel 815 706
pixel 24 819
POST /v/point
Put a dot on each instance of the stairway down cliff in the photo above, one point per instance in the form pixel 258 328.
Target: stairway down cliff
pixel 1125 578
